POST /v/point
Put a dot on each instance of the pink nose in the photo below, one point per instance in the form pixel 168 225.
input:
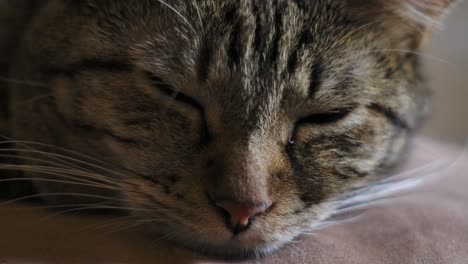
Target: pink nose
pixel 241 215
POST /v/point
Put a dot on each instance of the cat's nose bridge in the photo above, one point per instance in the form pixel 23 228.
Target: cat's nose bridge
pixel 242 176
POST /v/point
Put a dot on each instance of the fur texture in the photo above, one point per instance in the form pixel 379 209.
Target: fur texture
pixel 288 103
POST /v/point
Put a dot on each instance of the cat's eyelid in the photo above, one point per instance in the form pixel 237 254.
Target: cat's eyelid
pixel 327 117
pixel 170 91
pixel 336 110
pixel 158 81
pixel 178 96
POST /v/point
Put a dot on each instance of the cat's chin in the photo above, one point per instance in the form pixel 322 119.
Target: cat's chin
pixel 231 251
pixel 235 248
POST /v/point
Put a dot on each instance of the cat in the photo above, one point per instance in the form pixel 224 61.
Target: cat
pixel 227 127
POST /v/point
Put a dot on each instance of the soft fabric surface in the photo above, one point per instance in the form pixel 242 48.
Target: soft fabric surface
pixel 427 223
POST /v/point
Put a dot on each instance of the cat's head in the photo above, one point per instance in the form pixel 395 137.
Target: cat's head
pixel 239 120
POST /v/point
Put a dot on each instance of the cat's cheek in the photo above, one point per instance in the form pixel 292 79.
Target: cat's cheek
pixel 115 146
pixel 121 152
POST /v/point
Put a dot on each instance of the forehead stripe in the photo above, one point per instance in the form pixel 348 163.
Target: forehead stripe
pixel 278 20
pixel 234 49
pixel 258 26
pixel 315 77
pixel 304 39
pixel 204 60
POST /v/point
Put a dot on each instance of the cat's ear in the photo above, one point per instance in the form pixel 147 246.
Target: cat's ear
pixel 424 12
pixel 403 18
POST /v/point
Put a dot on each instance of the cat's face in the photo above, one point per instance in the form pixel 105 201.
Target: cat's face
pixel 260 110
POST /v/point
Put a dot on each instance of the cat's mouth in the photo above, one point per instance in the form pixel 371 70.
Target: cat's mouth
pixel 235 248
pixel 219 242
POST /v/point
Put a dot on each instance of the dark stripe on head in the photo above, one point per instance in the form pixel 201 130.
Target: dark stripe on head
pixel 315 77
pixel 230 14
pixel 304 39
pixel 292 62
pixel 390 115
pixel 204 60
pixel 278 20
pixel 234 53
pixel 300 3
pixel 234 48
pixel 258 26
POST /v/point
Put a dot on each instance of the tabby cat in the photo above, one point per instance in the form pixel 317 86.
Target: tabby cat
pixel 229 127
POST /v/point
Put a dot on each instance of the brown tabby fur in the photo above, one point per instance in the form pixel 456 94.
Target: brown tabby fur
pixel 291 102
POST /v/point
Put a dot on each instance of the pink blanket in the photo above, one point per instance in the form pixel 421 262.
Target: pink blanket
pixel 423 219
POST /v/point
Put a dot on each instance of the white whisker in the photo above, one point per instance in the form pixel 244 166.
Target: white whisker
pixel 26 143
pixel 84 207
pixel 50 154
pixel 84 195
pixel 34 99
pixel 387 188
pixel 178 14
pixel 24 82
pixel 106 224
pixel 197 7
pixel 64 164
pixel 65 173
pixel 60 181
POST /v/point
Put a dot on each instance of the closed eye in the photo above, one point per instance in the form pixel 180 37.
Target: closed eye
pixel 183 98
pixel 325 118
pixel 318 119
pixel 174 94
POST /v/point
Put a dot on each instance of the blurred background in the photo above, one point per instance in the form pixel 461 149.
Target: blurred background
pixel 446 61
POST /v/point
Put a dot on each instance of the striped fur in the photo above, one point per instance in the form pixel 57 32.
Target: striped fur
pixel 290 101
